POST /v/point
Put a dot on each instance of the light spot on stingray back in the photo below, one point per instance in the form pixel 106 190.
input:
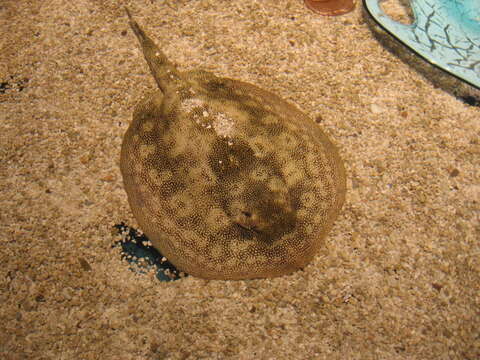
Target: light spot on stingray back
pixel 153 175
pixel 216 251
pixel 258 259
pixel 292 173
pixel 275 184
pixel 189 104
pixel 144 189
pixel 145 150
pixel 223 124
pixel 201 242
pixel 180 204
pixel 288 140
pixel 165 175
pixel 308 229
pixel 271 119
pixel 239 246
pixel 308 199
pixel 232 263
pixel 259 147
pixel 138 168
pixel 147 126
pixel 217 219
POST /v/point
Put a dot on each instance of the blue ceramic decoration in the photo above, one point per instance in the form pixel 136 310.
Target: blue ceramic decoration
pixel 445 33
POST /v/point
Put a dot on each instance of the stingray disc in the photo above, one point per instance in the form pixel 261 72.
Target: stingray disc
pixel 228 180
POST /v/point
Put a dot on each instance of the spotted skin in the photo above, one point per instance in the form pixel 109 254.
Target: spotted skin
pixel 228 180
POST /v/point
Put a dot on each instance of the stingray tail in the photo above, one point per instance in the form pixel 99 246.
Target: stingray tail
pixel 165 73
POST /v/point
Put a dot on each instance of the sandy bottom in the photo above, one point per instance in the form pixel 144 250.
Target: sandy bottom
pixel 399 276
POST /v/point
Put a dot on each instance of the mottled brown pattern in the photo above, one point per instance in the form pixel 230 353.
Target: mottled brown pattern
pixel 228 180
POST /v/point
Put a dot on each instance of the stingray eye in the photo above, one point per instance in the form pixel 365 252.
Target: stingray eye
pixel 247 214
pixel 247 221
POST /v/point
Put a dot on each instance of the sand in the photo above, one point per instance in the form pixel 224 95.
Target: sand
pixel 399 275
